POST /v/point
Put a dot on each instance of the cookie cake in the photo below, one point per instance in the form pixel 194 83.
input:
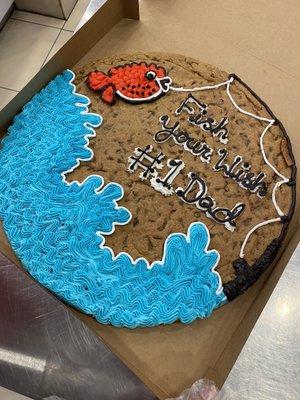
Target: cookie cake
pixel 146 189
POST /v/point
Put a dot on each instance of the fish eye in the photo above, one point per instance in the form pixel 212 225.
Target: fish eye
pixel 151 75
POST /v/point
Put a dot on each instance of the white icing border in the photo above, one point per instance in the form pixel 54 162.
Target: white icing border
pixel 271 122
pixel 92 133
pixel 162 261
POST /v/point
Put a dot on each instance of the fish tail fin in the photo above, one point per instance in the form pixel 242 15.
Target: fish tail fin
pixel 108 95
pixel 102 83
pixel 97 80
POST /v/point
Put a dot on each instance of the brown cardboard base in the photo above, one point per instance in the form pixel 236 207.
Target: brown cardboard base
pixel 171 358
pixel 253 40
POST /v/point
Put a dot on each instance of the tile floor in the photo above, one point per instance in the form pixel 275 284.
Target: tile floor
pixel 27 42
pixel 30 40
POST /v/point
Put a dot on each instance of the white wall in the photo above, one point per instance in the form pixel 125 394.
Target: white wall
pixel 4 7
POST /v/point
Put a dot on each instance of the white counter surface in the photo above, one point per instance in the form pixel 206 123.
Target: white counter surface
pixel 268 368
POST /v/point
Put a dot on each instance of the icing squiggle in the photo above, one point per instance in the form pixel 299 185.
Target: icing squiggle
pixel 56 228
pixel 276 186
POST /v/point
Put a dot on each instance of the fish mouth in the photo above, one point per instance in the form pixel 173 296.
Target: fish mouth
pixel 164 83
pixel 163 87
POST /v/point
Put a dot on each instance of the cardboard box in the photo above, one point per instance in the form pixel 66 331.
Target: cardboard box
pixel 258 44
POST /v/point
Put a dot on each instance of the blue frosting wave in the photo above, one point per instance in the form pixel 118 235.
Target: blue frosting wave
pixel 56 228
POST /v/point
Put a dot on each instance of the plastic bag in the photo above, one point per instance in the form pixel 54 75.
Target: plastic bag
pixel 200 390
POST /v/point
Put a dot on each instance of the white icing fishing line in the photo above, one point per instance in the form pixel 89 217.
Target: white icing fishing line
pixel 254 229
pixel 197 89
pixel 271 122
pixel 243 111
pixel 277 185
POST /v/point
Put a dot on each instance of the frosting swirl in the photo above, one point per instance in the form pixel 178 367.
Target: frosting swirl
pixel 56 228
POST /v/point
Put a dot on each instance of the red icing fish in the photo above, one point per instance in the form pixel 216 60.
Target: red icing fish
pixel 134 83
